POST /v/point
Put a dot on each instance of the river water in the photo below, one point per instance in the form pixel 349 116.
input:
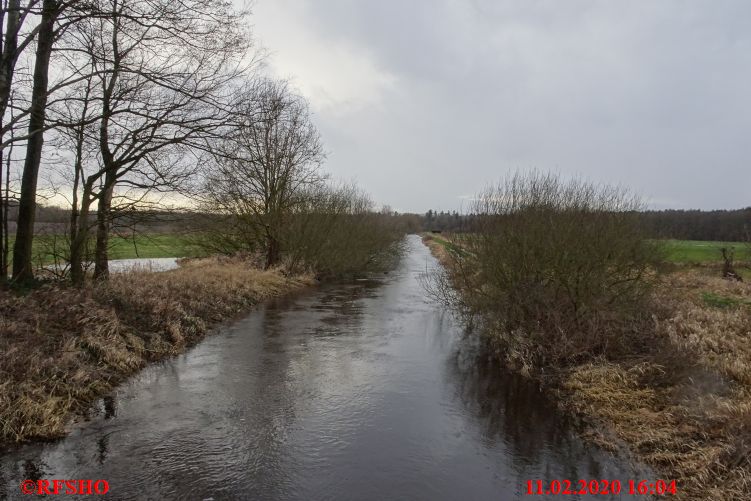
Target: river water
pixel 356 391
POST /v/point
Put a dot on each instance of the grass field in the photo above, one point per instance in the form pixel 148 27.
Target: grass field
pixel 697 251
pixel 142 246
pixel 153 246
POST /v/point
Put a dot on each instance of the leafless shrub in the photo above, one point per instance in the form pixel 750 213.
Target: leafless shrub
pixel 728 264
pixel 335 232
pixel 559 270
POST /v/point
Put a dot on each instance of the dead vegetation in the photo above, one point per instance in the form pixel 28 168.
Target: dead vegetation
pixel 62 347
pixel 681 399
pixel 685 408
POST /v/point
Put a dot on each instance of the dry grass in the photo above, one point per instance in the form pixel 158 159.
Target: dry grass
pixel 437 248
pixel 684 408
pixel 62 347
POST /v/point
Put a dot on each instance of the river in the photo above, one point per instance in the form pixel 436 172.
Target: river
pixel 357 391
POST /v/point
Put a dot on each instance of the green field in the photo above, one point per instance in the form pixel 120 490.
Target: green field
pixel 698 251
pixel 153 246
pixel 140 246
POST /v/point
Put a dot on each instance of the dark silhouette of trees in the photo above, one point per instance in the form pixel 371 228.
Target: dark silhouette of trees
pixel 717 225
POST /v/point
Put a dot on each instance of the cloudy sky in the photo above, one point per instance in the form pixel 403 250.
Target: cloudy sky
pixel 422 102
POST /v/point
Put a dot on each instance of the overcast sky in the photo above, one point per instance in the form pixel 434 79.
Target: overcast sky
pixel 422 102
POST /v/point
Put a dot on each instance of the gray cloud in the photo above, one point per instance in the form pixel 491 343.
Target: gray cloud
pixel 423 102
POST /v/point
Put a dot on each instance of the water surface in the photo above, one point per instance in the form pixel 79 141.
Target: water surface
pixel 355 391
pixel 143 264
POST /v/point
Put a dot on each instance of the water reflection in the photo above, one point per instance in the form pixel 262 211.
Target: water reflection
pixel 511 410
pixel 359 391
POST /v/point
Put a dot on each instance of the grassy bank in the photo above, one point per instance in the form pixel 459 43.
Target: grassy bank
pixel 684 404
pixel 680 398
pixel 63 347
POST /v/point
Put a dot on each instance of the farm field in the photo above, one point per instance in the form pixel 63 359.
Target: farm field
pixel 144 245
pixel 700 251
pixel 153 246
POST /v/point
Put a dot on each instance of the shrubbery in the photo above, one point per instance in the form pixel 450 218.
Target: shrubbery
pixel 332 231
pixel 335 233
pixel 556 269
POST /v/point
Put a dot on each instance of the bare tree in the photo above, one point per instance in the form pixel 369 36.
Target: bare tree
pixel 13 41
pixel 266 166
pixel 22 258
pixel 50 27
pixel 162 82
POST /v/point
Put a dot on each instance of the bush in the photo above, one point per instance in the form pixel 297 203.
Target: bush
pixel 330 230
pixel 336 233
pixel 558 269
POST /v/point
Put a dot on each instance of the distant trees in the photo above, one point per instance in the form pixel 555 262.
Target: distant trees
pixel 445 221
pixel 718 225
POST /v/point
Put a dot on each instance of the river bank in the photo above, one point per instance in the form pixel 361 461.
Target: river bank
pixel 681 402
pixel 62 347
pixel 367 381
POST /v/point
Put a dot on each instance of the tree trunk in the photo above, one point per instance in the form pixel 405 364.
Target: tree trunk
pixel 273 252
pixel 76 258
pixel 22 265
pixel 79 224
pixel 3 237
pixel 79 236
pixel 9 53
pixel 101 252
pixel 76 254
pixel 7 68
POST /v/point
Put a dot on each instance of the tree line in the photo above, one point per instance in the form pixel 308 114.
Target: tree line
pixel 121 107
pixel 715 225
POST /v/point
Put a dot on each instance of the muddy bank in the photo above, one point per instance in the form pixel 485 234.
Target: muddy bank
pixel 62 347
